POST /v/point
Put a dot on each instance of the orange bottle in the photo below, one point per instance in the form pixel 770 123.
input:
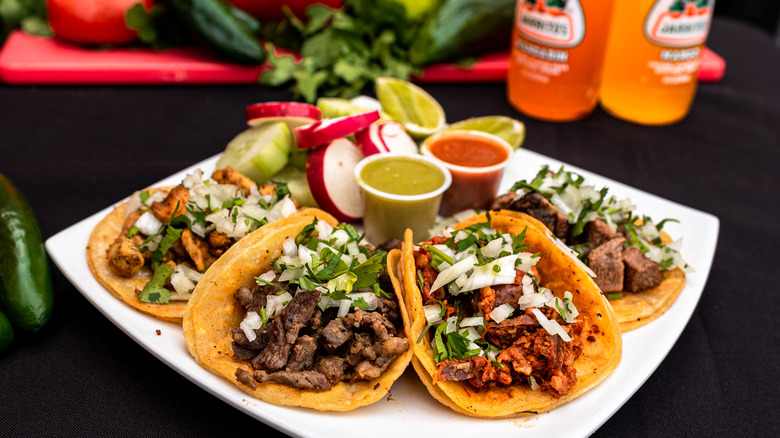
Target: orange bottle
pixel 557 52
pixel 653 56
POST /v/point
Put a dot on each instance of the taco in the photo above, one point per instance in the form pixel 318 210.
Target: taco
pixel 151 250
pixel 299 313
pixel 504 322
pixel 632 260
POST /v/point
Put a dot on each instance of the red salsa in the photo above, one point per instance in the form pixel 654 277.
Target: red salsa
pixel 468 152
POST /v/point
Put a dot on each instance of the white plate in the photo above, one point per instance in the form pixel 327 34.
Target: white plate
pixel 411 410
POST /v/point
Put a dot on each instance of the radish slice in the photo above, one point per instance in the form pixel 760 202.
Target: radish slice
pixel 325 131
pixel 370 141
pixel 396 139
pixel 293 113
pixel 330 173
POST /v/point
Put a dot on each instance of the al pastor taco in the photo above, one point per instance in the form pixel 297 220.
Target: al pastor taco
pixel 504 323
pixel 151 250
pixel 300 313
pixel 633 261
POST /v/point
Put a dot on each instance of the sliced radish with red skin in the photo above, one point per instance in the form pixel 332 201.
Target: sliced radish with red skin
pixel 295 113
pixel 396 139
pixel 329 171
pixel 369 141
pixel 325 131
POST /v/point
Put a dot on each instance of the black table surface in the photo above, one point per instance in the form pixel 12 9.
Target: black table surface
pixel 75 150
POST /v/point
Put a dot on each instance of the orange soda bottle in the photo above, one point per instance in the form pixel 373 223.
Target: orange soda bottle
pixel 557 52
pixel 653 57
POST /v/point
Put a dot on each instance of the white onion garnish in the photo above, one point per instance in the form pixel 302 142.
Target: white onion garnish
pixel 268 276
pixel 289 248
pixel 291 274
pixel 552 326
pixel 344 306
pixel 454 272
pixel 486 276
pixel 493 248
pixel 501 312
pixel 532 383
pixel 252 321
pixel 472 321
pixel 276 303
pixel 452 324
pixel 148 224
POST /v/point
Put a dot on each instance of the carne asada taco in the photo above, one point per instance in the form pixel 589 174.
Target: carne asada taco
pixel 299 313
pixel 635 263
pixel 151 250
pixel 504 322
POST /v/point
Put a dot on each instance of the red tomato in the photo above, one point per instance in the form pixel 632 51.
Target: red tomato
pixel 92 21
pixel 271 10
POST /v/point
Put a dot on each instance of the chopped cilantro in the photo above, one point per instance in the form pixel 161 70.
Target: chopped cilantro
pixel 132 232
pixel 154 291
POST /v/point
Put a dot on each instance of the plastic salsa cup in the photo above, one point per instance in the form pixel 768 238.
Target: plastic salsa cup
pixel 476 160
pixel 400 191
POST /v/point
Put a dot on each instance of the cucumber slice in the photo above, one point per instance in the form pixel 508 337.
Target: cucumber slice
pixel 259 152
pixel 298 185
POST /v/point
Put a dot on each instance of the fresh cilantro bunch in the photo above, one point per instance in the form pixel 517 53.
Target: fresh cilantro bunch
pixel 344 50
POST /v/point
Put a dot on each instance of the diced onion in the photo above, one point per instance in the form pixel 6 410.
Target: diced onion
pixel 551 326
pixel 485 275
pixel 267 276
pixel 291 274
pixel 276 303
pixel 452 324
pixel 344 306
pixel 501 312
pixel 289 248
pixel 148 224
pixel 472 321
pixel 493 248
pixel 532 383
pixel 454 272
pixel 324 230
pixel 252 321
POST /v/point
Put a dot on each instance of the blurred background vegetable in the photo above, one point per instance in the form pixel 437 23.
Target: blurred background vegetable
pixel 92 22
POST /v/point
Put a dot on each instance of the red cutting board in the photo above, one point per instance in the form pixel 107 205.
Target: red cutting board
pixel 31 60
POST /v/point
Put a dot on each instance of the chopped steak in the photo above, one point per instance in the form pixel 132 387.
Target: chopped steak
pixel 640 273
pixel 536 205
pixel 310 380
pixel 334 335
pixel 302 355
pixel 390 244
pixel 504 202
pixel 597 232
pixel 607 262
pixel 246 377
pixel 307 348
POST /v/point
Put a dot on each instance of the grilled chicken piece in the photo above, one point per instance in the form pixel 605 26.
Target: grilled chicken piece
pixel 174 204
pixel 124 256
pixel 229 175
pixel 197 249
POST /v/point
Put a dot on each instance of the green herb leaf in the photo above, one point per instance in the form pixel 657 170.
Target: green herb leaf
pixel 154 291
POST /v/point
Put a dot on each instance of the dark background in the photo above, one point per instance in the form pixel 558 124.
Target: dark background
pixel 764 14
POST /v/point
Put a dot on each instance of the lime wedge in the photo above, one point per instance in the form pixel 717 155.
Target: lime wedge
pixel 333 107
pixel 511 130
pixel 409 104
pixel 259 152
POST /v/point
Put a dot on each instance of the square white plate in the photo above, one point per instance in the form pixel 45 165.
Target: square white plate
pixel 410 409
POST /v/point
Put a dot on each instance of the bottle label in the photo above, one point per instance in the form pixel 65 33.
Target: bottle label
pixel 679 23
pixel 556 23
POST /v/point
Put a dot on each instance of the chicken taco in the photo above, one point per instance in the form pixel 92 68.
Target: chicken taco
pixel 504 322
pixel 151 250
pixel 300 313
pixel 634 262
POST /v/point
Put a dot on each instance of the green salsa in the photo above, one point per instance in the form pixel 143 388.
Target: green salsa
pixel 402 176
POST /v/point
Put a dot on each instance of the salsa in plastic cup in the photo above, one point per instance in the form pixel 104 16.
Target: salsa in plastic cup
pixel 476 160
pixel 400 191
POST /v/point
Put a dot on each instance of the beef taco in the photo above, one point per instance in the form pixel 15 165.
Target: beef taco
pixel 634 262
pixel 151 250
pixel 504 322
pixel 300 313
